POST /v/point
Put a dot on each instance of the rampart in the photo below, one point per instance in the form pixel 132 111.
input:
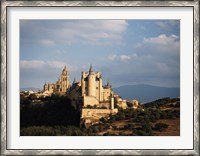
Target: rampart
pixel 93 115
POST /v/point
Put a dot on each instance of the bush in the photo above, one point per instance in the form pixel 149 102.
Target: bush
pixel 102 119
pixel 160 126
pixel 121 134
pixel 152 118
pixel 142 133
pixel 128 126
pixel 147 128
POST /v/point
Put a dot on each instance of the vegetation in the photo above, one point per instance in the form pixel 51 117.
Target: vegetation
pixel 94 107
pixel 146 117
pixel 54 110
pixel 57 116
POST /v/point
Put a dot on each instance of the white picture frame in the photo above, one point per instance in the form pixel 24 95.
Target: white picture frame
pixel 5 79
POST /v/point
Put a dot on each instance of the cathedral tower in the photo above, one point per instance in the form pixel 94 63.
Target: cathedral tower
pixel 64 80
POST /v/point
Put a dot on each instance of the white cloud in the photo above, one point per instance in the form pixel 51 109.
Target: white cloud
pixel 121 57
pixel 168 24
pixel 161 39
pixel 46 65
pixel 162 67
pixel 124 57
pixel 96 31
pixel 77 31
pixel 38 64
pixel 46 42
pixel 112 57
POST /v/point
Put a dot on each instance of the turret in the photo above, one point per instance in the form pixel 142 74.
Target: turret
pixel 91 83
pixel 108 84
pixel 90 70
pixel 74 80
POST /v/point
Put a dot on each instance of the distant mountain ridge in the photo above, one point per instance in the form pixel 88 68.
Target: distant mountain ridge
pixel 146 93
pixel 30 89
pixel 142 92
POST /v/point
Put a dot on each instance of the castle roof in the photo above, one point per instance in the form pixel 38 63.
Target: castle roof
pixel 74 80
pixel 90 70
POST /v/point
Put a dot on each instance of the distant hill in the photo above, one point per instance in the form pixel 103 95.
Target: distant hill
pixel 29 89
pixel 146 93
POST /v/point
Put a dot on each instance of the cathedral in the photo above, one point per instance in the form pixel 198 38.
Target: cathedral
pixel 61 85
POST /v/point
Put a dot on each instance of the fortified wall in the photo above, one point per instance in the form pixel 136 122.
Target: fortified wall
pixel 93 115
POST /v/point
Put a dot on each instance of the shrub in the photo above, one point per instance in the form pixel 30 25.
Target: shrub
pixel 129 126
pixel 102 119
pixel 142 133
pixel 160 126
pixel 121 134
pixel 147 128
pixel 152 118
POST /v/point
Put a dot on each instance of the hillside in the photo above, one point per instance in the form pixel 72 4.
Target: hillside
pixel 146 93
pixel 157 118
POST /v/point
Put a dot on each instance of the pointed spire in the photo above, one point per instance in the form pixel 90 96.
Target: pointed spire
pixel 108 83
pixel 74 80
pixel 90 70
pixel 45 82
pixel 64 71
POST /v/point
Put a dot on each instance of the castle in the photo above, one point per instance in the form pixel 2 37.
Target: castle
pixel 92 91
pixel 95 99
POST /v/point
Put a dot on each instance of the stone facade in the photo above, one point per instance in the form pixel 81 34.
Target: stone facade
pixel 61 86
pixel 93 92
pixel 91 116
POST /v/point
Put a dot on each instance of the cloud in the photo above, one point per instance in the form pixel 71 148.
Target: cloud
pixel 37 72
pixel 156 61
pixel 167 24
pixel 74 31
pixel 122 57
pixel 161 39
pixel 163 46
pixel 112 57
pixel 38 64
pixel 46 42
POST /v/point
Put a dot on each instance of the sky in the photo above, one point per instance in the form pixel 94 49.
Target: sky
pixel 126 52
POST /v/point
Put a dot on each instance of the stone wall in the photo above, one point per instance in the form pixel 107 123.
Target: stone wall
pixel 97 113
pixel 90 100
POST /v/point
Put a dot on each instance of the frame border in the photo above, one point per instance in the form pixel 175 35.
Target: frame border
pixel 3 65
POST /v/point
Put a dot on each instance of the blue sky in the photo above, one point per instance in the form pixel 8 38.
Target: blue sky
pixel 127 52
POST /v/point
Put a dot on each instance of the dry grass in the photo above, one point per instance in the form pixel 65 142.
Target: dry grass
pixel 173 127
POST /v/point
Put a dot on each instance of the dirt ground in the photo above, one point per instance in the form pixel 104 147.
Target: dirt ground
pixel 172 130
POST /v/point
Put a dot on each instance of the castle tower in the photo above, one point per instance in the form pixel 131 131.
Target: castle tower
pixel 91 83
pixel 100 88
pixel 83 83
